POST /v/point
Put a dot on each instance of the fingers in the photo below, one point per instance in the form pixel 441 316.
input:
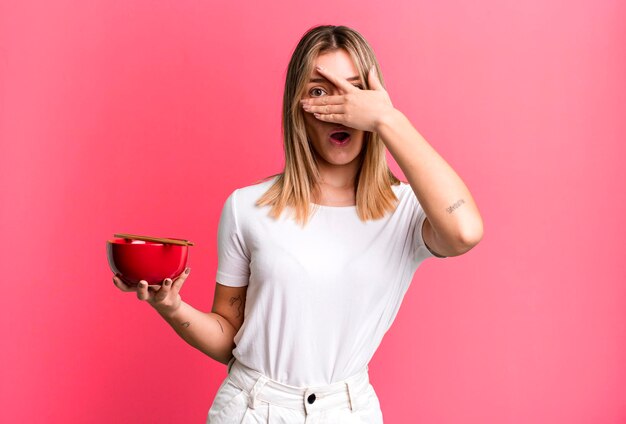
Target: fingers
pixel 324 109
pixel 374 80
pixel 178 284
pixel 325 100
pixel 336 80
pixel 120 284
pixel 164 291
pixel 332 117
pixel 142 290
pixel 170 288
pixel 161 291
pixel 126 288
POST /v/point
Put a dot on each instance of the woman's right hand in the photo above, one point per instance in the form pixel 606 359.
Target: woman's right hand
pixel 165 298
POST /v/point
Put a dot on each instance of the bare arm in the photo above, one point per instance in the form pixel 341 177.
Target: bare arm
pixel 454 224
pixel 210 332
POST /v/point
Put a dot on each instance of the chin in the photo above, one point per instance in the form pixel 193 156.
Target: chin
pixel 335 159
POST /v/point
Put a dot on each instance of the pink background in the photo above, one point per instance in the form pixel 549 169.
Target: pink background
pixel 142 116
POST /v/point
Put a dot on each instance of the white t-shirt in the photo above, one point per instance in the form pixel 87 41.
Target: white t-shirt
pixel 319 298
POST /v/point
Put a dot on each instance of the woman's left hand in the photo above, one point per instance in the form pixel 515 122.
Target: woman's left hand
pixel 355 108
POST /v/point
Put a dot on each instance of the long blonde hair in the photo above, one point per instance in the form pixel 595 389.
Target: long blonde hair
pixel 300 178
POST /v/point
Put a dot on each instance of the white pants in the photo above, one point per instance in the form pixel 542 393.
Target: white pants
pixel 247 396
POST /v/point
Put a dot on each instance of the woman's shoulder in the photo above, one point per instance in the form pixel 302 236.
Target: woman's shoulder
pixel 248 194
pixel 405 193
pixel 401 187
pixel 259 185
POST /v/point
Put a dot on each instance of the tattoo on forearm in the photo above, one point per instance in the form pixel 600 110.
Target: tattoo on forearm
pixel 458 203
pixel 236 301
pixel 218 321
pixel 186 324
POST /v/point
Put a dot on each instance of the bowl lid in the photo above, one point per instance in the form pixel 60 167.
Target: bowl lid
pixel 180 242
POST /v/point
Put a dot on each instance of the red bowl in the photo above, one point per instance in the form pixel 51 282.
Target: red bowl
pixel 139 260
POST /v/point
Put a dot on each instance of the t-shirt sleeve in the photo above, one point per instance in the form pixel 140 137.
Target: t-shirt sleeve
pixel 420 251
pixel 233 258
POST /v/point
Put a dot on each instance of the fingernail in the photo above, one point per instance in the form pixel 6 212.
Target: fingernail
pixel 187 271
pixel 167 281
pixel 320 68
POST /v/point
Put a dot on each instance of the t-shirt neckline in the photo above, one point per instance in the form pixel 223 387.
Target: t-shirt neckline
pixel 333 207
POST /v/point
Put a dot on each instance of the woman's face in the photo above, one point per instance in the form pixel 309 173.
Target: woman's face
pixel 329 152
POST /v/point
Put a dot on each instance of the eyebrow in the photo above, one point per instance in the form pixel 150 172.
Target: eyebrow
pixel 325 80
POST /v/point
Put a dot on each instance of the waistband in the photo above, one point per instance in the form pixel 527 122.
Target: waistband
pixel 260 388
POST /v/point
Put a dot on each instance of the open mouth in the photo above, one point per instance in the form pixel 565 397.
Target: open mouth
pixel 340 137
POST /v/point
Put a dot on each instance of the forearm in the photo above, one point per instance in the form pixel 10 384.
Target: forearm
pixel 448 203
pixel 208 332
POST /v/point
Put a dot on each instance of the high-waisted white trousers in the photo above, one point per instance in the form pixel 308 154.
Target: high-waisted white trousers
pixel 247 396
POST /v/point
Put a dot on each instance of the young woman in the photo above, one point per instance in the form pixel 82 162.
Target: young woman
pixel 313 263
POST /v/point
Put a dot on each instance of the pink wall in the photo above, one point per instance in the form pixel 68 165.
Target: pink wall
pixel 142 116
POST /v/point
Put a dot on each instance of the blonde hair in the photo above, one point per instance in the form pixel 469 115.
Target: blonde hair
pixel 300 178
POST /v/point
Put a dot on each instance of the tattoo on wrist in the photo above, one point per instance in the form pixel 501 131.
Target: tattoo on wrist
pixel 186 324
pixel 222 328
pixel 457 204
pixel 238 303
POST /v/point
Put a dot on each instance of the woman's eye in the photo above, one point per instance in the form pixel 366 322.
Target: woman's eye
pixel 316 90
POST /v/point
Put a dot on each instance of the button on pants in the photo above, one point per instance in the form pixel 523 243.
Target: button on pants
pixel 247 396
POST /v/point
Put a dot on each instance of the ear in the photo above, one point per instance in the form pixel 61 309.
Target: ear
pixel 373 80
